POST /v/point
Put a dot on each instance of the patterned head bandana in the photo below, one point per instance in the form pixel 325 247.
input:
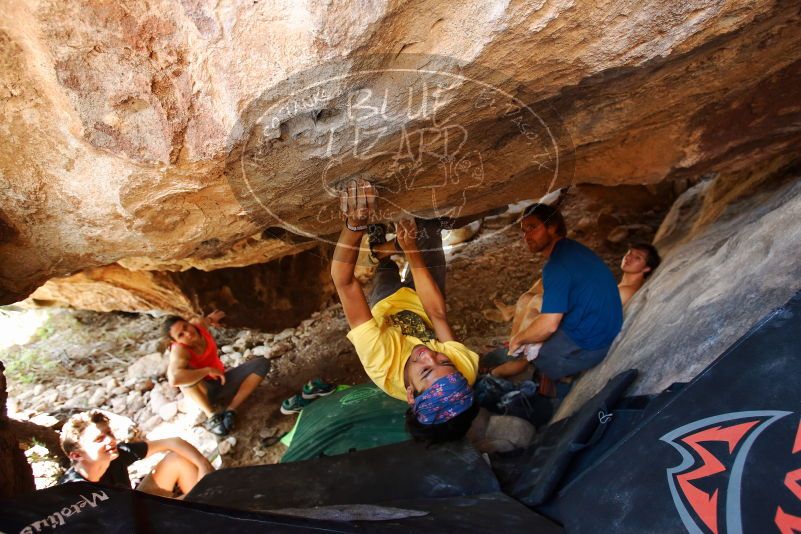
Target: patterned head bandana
pixel 444 399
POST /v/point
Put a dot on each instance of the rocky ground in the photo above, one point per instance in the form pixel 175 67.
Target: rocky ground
pixel 115 361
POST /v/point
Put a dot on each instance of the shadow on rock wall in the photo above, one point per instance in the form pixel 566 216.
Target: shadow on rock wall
pixel 268 296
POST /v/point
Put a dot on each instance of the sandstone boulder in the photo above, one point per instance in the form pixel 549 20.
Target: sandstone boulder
pixel 98 398
pixel 157 399
pixel 168 410
pixel 260 350
pixel 151 366
pixel 163 120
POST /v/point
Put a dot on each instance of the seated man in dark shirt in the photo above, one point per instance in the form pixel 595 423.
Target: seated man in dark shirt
pixel 96 456
pixel 581 311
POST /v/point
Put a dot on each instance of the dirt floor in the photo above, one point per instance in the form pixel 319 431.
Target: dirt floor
pixel 81 359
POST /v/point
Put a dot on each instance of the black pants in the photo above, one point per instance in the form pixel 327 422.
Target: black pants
pixel 234 377
pixel 429 241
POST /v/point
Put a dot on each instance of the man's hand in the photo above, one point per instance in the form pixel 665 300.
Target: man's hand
pixel 216 374
pixel 357 202
pixel 406 235
pixel 215 317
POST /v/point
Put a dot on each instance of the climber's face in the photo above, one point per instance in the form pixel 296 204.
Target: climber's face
pixel 537 235
pixel 426 366
pixel 184 333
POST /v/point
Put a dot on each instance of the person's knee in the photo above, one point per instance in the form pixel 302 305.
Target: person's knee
pixel 261 366
pixel 194 390
pixel 165 474
pixel 550 366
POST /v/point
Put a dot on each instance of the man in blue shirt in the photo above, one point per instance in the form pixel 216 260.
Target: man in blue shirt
pixel 581 311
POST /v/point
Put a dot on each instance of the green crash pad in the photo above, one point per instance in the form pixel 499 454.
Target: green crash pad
pixel 356 418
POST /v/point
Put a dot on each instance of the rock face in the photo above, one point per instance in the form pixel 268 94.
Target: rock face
pixel 167 136
pixel 16 477
pixel 270 296
pixel 729 260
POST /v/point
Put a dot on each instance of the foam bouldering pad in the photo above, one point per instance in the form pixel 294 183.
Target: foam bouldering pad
pixel 83 507
pixel 721 455
pixel 533 474
pixel 475 513
pixel 495 512
pixel 405 470
pixel 354 419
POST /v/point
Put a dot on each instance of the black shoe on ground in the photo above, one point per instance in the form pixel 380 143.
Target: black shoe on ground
pixel 229 420
pixel 216 425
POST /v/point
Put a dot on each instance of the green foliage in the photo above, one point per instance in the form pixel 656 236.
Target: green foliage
pixel 44 331
pixel 29 366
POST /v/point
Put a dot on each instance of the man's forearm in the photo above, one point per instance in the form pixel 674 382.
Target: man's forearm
pixel 188 377
pixel 350 292
pixel 538 331
pixel 425 286
pixel 346 254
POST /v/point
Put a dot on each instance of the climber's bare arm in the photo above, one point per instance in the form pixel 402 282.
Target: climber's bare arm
pixel 212 319
pixel 179 373
pixel 540 329
pixel 536 289
pixel 425 286
pixel 356 202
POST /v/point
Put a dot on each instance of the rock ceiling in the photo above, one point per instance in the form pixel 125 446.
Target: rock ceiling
pixel 166 135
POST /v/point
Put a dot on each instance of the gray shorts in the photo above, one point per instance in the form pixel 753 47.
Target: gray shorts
pixel 560 357
pixel 234 377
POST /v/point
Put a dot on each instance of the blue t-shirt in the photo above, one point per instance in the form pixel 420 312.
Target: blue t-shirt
pixel 577 283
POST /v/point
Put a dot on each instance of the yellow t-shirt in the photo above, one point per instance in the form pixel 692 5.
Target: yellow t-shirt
pixel 383 349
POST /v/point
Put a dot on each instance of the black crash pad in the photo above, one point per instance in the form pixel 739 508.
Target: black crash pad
pixel 533 474
pixel 722 455
pixel 83 507
pixel 401 471
pixel 395 489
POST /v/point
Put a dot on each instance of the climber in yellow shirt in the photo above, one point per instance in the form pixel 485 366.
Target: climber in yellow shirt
pixel 405 342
